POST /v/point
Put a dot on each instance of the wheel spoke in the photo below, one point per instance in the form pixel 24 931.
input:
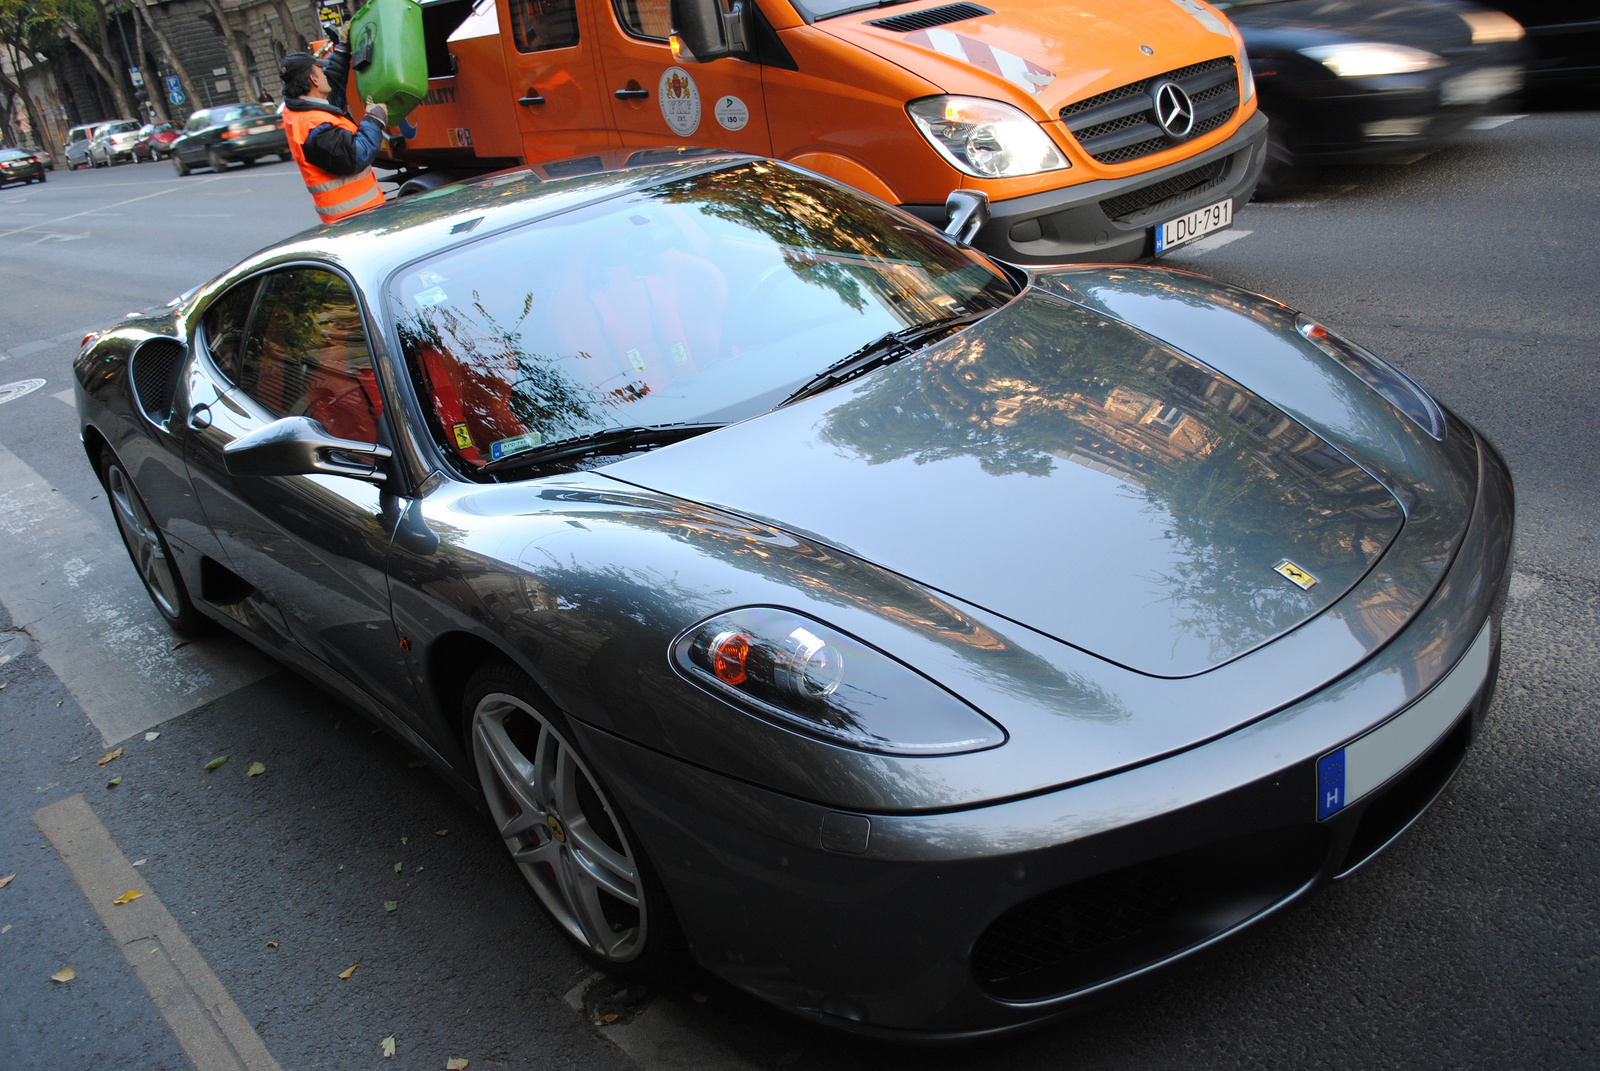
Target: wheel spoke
pixel 617 884
pixel 584 897
pixel 547 852
pixel 601 861
pixel 502 754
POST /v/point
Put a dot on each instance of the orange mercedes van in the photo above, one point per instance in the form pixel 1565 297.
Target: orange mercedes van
pixel 1099 129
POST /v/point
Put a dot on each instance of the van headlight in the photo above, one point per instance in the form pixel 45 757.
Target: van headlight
pixel 1367 59
pixel 986 138
pixel 807 676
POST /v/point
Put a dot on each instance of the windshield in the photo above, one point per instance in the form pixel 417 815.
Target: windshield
pixel 704 299
pixel 12 154
pixel 121 128
pixel 824 9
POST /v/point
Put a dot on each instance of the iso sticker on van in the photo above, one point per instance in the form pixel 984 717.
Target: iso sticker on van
pixel 731 113
pixel 680 101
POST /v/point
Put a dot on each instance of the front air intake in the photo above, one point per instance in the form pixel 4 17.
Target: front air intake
pixel 154 370
pixel 930 17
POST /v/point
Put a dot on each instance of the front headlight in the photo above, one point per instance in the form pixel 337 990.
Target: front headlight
pixel 1247 77
pixel 807 676
pixel 1492 27
pixel 986 138
pixel 1366 59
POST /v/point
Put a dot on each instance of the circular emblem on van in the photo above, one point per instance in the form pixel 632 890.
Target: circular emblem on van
pixel 680 101
pixel 1174 109
pixel 732 114
pixel 1147 50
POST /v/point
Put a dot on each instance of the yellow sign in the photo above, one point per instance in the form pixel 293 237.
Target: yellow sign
pixel 1295 575
pixel 463 436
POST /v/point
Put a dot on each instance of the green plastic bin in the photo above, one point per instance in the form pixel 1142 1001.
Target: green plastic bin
pixel 389 55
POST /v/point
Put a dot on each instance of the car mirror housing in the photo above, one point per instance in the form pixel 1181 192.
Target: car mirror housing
pixel 966 211
pixel 703 30
pixel 299 446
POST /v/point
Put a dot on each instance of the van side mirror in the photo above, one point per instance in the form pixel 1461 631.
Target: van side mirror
pixel 299 446
pixel 966 211
pixel 703 30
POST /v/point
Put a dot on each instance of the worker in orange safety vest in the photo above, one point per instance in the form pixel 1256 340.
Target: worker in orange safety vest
pixel 335 155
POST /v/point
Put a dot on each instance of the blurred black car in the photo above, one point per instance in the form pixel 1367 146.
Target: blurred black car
pixel 233 133
pixel 1563 47
pixel 1349 81
pixel 18 165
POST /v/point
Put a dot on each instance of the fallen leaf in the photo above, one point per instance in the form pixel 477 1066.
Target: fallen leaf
pixel 7 879
pixel 114 782
pixel 150 738
pixel 455 1063
pixel 699 998
pixel 117 754
pixel 609 1017
pixel 65 974
pixel 347 973
pixel 388 1046
pixel 141 862
pixel 390 905
pixel 420 869
pixel 181 643
pixel 272 944
pixel 3 685
pixel 58 703
pixel 397 868
pixel 415 764
pixel 403 840
pixel 440 832
pixel 216 762
pixel 6 928
pixel 256 769
pixel 128 897
pixel 790 1057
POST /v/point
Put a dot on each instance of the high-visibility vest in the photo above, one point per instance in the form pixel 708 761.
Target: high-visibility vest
pixel 336 196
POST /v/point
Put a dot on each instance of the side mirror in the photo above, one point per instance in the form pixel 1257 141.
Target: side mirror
pixel 703 31
pixel 299 446
pixel 966 211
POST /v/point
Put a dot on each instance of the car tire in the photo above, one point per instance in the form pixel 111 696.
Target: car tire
pixel 575 848
pixel 178 165
pixel 147 548
pixel 248 161
pixel 215 161
pixel 285 157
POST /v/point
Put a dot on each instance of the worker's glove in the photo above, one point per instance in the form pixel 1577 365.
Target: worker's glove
pixel 378 112
pixel 332 32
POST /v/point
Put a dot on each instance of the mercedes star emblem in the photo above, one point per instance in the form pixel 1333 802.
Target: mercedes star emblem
pixel 1174 110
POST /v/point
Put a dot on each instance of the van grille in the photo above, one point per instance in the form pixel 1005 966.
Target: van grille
pixel 1120 124
pixel 929 17
pixel 1176 189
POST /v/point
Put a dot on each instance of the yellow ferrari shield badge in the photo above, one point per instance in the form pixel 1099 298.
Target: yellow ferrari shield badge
pixel 1295 575
pixel 463 436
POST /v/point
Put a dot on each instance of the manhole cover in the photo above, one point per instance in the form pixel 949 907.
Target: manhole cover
pixel 10 392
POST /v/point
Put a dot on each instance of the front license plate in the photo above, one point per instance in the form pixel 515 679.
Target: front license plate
pixel 1480 86
pixel 260 130
pixel 1367 762
pixel 1197 224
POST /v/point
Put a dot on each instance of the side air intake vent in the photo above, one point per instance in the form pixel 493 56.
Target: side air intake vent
pixel 933 16
pixel 154 369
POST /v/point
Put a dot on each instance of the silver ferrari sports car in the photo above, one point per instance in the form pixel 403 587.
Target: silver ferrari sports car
pixel 926 646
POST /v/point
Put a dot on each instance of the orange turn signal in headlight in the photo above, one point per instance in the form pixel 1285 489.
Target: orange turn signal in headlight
pixel 728 654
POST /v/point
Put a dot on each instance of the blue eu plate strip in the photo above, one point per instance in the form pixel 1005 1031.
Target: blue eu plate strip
pixel 1330 784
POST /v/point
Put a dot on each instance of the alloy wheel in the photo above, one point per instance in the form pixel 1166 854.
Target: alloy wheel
pixel 144 543
pixel 561 829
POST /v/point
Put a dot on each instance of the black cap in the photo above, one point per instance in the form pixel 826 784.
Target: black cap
pixel 298 63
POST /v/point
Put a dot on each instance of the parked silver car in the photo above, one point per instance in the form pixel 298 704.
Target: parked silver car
pixel 113 142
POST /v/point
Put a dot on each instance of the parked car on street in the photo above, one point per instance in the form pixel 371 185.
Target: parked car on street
pixel 79 138
pixel 113 142
pixel 155 141
pixel 234 133
pixel 45 157
pixel 1360 80
pixel 20 165
pixel 930 645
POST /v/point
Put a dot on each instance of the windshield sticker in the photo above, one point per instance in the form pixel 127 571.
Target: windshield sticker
pixel 732 114
pixel 680 101
pixel 1028 75
pixel 515 445
pixel 636 359
pixel 430 297
pixel 463 436
pixel 680 354
pixel 1205 17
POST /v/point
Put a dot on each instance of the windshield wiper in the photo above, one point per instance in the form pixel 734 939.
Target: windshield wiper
pixel 604 439
pixel 883 350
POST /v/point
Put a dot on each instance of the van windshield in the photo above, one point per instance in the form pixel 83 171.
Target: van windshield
pixel 827 9
pixel 704 299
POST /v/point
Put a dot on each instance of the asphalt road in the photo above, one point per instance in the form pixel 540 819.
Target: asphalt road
pixel 1471 942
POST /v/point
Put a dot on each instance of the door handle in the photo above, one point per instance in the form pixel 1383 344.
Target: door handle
pixel 200 417
pixel 531 98
pixel 633 94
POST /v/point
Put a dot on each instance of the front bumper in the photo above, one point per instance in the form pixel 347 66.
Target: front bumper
pixel 937 925
pixel 1111 219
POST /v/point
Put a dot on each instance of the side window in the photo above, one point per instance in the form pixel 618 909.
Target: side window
pixel 645 18
pixel 307 354
pixel 223 327
pixel 539 25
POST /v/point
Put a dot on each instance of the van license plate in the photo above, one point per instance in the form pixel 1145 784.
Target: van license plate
pixel 1197 224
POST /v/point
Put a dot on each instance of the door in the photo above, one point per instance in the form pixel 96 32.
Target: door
pixel 550 59
pixel 656 101
pixel 314 546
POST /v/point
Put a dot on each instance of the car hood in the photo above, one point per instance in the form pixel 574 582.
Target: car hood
pixel 1415 23
pixel 1053 53
pixel 1069 473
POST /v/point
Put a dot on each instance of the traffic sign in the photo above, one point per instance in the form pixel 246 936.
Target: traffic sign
pixel 174 89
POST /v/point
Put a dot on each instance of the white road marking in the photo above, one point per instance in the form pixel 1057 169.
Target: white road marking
pixel 662 1038
pixel 118 204
pixel 1490 122
pixel 75 338
pixel 67 581
pixel 65 397
pixel 213 1033
pixel 1213 241
pixel 202 215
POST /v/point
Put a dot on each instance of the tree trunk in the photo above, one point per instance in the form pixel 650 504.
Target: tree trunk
pixel 189 89
pixel 124 102
pixel 99 65
pixel 241 66
pixel 158 104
